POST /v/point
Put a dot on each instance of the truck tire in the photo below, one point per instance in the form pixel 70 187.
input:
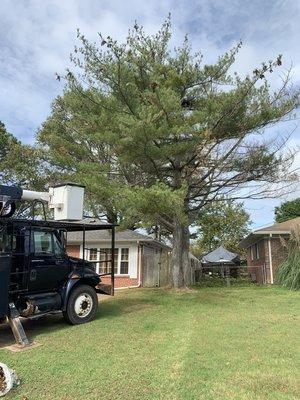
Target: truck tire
pixel 82 305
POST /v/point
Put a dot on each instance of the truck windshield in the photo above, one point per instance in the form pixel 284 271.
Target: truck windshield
pixel 43 243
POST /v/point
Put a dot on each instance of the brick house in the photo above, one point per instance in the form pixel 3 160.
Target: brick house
pixel 140 260
pixel 266 249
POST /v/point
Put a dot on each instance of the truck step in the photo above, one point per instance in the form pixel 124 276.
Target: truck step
pixel 104 288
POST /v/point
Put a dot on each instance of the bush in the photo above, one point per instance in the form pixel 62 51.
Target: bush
pixel 288 273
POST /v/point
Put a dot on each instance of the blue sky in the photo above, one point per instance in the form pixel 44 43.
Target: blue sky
pixel 37 36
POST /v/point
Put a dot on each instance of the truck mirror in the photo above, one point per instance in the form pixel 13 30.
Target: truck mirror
pixel 7 209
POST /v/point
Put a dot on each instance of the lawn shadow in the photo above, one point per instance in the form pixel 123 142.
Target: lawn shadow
pixel 33 328
pixel 109 307
pixel 114 307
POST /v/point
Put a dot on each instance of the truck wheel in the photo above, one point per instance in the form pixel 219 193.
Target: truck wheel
pixel 82 305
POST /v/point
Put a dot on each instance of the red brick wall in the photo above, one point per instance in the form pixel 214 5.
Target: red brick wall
pixel 73 250
pixel 278 252
pixel 121 281
pixel 261 266
pixel 262 254
pixel 257 266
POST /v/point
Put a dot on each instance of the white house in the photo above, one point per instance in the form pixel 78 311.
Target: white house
pixel 140 260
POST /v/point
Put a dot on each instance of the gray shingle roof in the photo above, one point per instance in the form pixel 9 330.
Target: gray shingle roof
pixel 281 228
pixel 219 255
pixel 104 236
pixel 285 227
pixel 95 236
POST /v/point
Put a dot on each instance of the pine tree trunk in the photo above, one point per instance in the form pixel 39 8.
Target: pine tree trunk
pixel 180 270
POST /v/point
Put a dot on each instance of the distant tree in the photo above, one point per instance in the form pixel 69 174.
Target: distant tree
pixel 158 134
pixel 287 210
pixel 222 223
pixel 7 142
pixel 19 163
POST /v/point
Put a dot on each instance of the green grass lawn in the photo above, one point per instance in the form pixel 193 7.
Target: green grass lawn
pixel 211 343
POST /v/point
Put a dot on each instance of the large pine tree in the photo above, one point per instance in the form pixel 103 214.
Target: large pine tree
pixel 156 134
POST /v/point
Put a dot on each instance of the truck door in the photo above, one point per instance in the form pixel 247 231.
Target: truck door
pixel 49 264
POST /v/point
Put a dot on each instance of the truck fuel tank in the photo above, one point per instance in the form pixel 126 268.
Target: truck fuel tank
pixel 39 304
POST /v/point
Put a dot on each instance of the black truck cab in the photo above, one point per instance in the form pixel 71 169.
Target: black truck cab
pixel 37 276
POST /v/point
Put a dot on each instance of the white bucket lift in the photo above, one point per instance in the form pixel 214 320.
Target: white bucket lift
pixel 66 200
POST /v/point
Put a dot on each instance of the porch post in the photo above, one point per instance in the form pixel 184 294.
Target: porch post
pixel 270 259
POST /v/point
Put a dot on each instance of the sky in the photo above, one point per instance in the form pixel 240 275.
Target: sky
pixel 37 37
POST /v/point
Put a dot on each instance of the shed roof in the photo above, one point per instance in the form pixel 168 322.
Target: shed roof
pixel 220 256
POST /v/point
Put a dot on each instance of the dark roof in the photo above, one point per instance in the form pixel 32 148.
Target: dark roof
pixel 121 236
pixel 282 228
pixel 220 256
pixel 93 236
pixel 74 227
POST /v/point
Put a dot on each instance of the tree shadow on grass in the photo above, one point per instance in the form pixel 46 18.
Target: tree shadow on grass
pixel 33 328
pixel 123 306
pixel 108 309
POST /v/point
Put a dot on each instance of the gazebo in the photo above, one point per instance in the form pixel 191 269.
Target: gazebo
pixel 223 259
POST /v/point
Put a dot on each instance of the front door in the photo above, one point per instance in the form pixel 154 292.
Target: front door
pixel 49 264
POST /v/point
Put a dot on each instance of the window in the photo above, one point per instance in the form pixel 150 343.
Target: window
pixel 43 243
pixel 105 261
pixel 121 261
pixel 58 248
pixel 254 251
pixel 124 261
pixel 93 255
